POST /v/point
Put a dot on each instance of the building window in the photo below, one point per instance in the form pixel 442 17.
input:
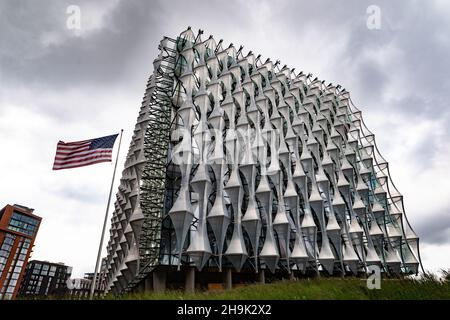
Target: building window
pixel 5 250
pixel 26 244
pixel 22 223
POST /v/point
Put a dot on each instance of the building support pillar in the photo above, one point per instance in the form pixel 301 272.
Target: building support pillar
pixel 261 276
pixel 148 284
pixel 141 287
pixel 292 276
pixel 189 282
pixel 159 281
pixel 228 279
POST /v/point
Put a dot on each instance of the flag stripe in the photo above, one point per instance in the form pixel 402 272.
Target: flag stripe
pixel 72 151
pixel 84 160
pixel 71 147
pixel 85 163
pixel 77 165
pixel 68 156
pixel 96 155
pixel 75 142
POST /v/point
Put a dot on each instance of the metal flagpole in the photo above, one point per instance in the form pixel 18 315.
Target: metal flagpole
pixel 99 254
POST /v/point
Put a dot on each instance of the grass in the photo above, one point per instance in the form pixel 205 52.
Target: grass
pixel 428 287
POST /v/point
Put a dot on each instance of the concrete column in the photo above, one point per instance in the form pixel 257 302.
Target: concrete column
pixel 262 276
pixel 228 279
pixel 141 287
pixel 189 282
pixel 159 281
pixel 148 284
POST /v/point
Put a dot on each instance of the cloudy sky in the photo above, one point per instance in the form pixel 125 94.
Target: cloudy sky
pixel 58 83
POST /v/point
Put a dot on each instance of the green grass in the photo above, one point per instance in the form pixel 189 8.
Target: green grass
pixel 427 287
pixel 316 289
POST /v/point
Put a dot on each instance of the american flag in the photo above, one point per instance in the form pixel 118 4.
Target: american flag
pixel 83 153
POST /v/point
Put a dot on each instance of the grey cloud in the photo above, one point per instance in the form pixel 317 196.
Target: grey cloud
pixel 371 75
pixel 85 194
pixel 112 54
pixel 414 31
pixel 424 66
pixel 101 57
pixel 436 228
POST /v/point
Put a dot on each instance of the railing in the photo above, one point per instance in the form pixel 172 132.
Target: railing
pixel 156 144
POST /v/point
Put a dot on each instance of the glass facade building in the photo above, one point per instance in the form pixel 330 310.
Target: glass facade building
pixel 18 229
pixel 81 287
pixel 243 169
pixel 44 278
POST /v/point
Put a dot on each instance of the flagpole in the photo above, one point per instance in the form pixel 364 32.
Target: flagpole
pixel 99 254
